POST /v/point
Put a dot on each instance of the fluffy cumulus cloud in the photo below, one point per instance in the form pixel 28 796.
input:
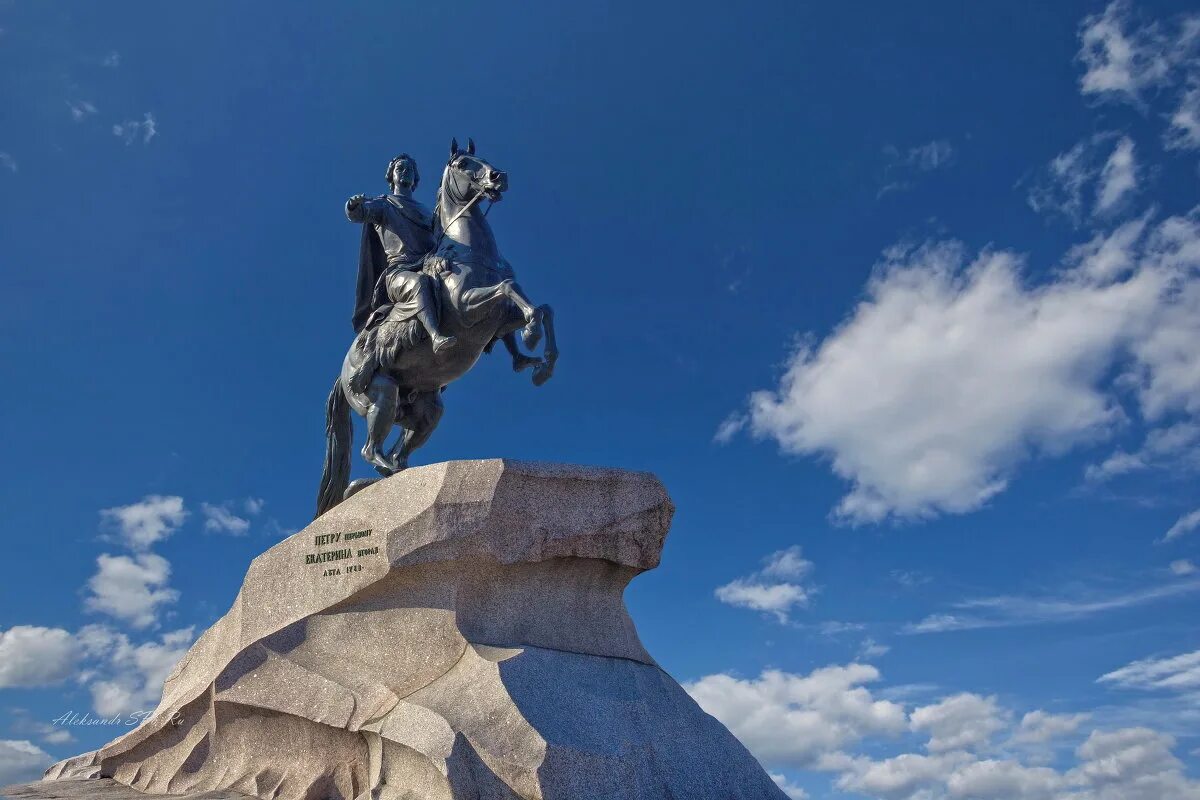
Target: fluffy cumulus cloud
pixel 22 761
pixel 791 720
pixel 828 721
pixel 35 656
pixel 1013 368
pixel 963 721
pixel 1039 727
pixel 131 589
pixel 777 588
pixel 150 520
pixel 130 677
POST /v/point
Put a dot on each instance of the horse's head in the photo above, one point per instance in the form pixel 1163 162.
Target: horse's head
pixel 468 175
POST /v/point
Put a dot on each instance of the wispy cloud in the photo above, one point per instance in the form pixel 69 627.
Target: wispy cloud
pixel 220 519
pixel 1184 525
pixel 133 130
pixel 903 166
pixel 81 109
pixel 1013 610
pixel 8 162
pixel 1179 673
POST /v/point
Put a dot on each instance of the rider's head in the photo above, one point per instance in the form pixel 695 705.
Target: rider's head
pixel 402 171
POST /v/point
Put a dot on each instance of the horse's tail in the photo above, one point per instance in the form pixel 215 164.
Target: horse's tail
pixel 339 434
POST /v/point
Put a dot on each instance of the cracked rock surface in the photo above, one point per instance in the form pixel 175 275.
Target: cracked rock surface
pixel 454 631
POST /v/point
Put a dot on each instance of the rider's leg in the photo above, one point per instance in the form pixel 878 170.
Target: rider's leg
pixel 381 417
pixel 428 319
pixel 520 361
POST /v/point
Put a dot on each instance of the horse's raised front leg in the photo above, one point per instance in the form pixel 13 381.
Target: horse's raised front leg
pixel 544 371
pixel 531 334
pixel 381 417
pixel 419 418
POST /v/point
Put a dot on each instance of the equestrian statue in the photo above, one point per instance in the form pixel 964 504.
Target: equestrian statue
pixel 433 295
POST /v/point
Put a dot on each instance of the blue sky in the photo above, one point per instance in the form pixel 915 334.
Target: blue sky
pixel 901 302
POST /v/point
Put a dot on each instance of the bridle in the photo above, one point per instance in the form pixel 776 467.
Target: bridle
pixel 470 203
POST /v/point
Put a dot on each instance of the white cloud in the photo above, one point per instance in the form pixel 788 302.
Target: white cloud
pixel 131 589
pixel 817 722
pixel 910 579
pixel 1118 177
pixel 931 155
pixel 1038 727
pixel 774 588
pixel 1184 525
pixel 112 60
pixel 132 130
pixel 1004 780
pixel 1014 610
pixel 903 168
pixel 790 789
pixel 34 656
pixel 133 675
pixel 1118 61
pixel 1132 764
pixel 903 776
pixel 1179 673
pixel 949 374
pixel 8 162
pixel 870 649
pixel 253 505
pixel 791 720
pixel 81 109
pixel 222 520
pixel 1184 132
pixel 1174 447
pixel 961 722
pixel 22 761
pixel 1089 169
pixel 1182 566
pixel 153 518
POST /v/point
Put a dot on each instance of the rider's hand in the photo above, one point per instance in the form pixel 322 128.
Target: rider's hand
pixel 356 201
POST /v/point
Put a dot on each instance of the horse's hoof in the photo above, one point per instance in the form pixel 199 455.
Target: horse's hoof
pixel 525 362
pixel 542 373
pixel 531 334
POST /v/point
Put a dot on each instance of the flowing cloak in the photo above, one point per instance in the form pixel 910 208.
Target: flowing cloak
pixel 371 292
pixel 372 263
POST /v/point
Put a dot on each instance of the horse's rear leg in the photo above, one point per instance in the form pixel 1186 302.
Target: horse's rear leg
pixel 419 418
pixel 544 371
pixel 381 418
pixel 520 361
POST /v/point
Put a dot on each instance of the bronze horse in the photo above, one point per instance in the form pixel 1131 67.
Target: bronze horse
pixel 480 303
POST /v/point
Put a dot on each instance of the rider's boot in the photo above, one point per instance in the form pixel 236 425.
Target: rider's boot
pixel 439 341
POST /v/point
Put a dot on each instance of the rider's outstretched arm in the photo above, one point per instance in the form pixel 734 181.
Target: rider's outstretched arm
pixel 361 209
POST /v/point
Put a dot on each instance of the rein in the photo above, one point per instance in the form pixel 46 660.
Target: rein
pixel 459 215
